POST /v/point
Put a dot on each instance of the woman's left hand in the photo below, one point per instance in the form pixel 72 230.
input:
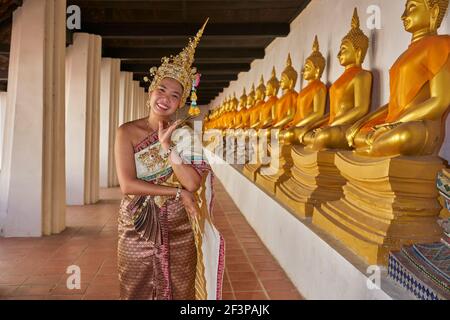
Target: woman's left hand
pixel 165 134
pixel 189 202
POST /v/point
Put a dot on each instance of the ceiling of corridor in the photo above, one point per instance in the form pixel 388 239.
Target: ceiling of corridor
pixel 141 32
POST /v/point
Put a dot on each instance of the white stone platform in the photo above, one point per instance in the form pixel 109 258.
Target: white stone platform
pixel 319 266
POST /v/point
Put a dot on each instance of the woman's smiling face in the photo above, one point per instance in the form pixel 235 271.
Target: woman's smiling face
pixel 166 98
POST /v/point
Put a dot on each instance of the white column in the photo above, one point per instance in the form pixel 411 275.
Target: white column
pixel 135 107
pixel 126 91
pixel 32 182
pixel 144 104
pixel 109 119
pixel 83 119
pixel 3 97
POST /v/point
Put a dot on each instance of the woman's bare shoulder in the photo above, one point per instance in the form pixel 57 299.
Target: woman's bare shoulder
pixel 133 130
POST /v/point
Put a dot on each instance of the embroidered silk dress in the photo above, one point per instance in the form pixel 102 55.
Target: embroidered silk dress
pixel 163 253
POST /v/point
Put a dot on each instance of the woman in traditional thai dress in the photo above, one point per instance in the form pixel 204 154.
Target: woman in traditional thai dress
pixel 168 247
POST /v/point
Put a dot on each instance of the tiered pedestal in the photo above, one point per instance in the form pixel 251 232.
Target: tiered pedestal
pixel 314 180
pixel 387 203
pixel 256 156
pixel 267 177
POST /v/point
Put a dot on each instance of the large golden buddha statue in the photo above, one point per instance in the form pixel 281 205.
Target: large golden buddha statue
pixel 283 113
pixel 350 95
pixel 390 199
pixel 311 100
pixel 412 122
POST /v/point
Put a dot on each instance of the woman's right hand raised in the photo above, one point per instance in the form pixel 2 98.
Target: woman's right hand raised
pixel 189 202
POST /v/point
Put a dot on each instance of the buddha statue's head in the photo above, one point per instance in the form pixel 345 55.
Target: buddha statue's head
pixel 354 46
pixel 242 101
pixel 260 92
pixel 234 102
pixel 424 15
pixel 288 76
pixel 273 85
pixel 251 97
pixel 314 64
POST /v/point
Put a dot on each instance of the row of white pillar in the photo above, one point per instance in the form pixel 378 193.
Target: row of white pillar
pixel 58 121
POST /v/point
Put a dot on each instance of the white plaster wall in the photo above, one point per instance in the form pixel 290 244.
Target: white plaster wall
pixel 330 20
pixel 3 97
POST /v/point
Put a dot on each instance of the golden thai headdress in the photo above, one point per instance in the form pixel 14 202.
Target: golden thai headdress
pixel 316 57
pixel 179 67
pixel 357 37
pixel 443 6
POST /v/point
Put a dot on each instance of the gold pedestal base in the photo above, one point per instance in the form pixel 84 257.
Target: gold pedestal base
pixel 269 176
pixel 250 171
pixel 315 179
pixel 387 203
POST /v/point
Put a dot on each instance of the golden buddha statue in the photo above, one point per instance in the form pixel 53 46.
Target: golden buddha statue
pixel 350 95
pixel 311 100
pixel 412 122
pixel 265 116
pixel 282 114
pixel 390 198
pixel 284 110
pixel 254 112
pixel 262 121
pixel 241 109
pixel 245 120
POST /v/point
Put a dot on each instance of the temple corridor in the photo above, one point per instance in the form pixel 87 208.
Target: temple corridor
pixel 35 268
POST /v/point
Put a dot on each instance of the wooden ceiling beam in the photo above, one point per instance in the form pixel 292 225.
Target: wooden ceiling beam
pixel 147 30
pixel 205 69
pixel 201 53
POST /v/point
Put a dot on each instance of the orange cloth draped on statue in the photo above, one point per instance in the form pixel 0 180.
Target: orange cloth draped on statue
pixel 266 110
pixel 254 113
pixel 339 88
pixel 412 70
pixel 305 101
pixel 244 118
pixel 284 103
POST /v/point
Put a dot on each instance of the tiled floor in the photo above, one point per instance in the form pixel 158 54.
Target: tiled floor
pixel 35 268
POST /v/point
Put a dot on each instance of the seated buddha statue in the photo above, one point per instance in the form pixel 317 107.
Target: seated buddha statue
pixel 230 115
pixel 241 109
pixel 310 101
pixel 260 96
pixel 245 120
pixel 284 109
pixel 265 115
pixel 350 95
pixel 412 123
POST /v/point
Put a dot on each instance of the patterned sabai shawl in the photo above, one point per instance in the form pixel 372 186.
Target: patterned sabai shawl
pixel 151 167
